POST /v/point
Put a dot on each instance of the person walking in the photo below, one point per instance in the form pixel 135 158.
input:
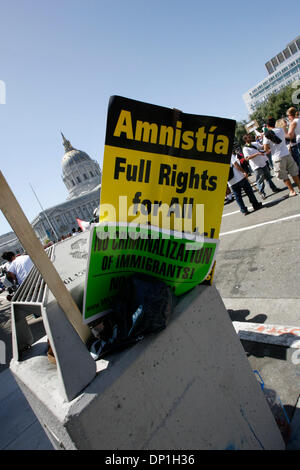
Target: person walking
pixel 293 133
pixel 255 155
pixel 284 164
pixel 239 182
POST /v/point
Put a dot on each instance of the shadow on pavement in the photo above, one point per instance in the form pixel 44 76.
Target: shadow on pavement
pixel 36 327
pixel 240 315
pixel 275 351
pixel 277 201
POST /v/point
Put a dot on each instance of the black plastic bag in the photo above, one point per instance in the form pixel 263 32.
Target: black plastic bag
pixel 143 305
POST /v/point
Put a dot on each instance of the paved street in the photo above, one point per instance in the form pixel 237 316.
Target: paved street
pixel 257 261
pixel 258 278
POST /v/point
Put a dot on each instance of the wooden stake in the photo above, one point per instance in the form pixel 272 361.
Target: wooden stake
pixel 25 233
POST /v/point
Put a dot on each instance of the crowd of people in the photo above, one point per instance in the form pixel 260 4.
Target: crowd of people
pixel 65 237
pixel 275 149
pixel 17 267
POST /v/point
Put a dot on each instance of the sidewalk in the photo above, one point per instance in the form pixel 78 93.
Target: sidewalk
pixel 273 353
pixel 20 429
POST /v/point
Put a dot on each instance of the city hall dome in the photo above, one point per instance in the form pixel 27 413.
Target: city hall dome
pixel 80 173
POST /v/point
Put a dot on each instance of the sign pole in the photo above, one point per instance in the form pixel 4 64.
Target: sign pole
pixel 46 217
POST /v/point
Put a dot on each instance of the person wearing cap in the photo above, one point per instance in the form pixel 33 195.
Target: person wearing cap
pixel 284 164
pixel 240 182
pixel 255 155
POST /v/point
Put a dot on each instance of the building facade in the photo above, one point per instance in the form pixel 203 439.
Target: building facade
pixel 283 70
pixel 58 221
pixel 82 177
pixel 80 173
pixel 9 242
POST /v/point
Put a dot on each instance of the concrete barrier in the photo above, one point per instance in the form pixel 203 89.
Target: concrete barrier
pixel 187 387
pixel 75 366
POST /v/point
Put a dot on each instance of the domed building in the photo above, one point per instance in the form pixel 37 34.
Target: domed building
pixel 80 173
pixel 82 177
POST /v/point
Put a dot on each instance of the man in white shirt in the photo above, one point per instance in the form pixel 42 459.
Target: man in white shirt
pixel 284 164
pixel 240 182
pixel 19 268
pixel 254 154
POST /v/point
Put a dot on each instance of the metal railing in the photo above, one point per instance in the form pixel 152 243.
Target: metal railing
pixel 33 289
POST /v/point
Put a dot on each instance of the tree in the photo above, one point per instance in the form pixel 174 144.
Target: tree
pixel 240 131
pixel 276 106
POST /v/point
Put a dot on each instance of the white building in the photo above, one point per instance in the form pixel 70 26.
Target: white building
pixel 9 242
pixel 82 177
pixel 283 70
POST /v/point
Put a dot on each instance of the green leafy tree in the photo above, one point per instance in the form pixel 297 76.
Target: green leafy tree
pixel 276 106
pixel 240 131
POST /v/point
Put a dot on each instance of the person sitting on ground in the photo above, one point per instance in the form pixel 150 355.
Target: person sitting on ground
pixel 284 164
pixel 8 256
pixel 240 182
pixel 255 155
pixel 19 266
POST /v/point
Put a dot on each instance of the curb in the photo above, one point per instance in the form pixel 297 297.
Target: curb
pixel 282 335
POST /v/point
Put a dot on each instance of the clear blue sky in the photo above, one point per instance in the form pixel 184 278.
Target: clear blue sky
pixel 61 60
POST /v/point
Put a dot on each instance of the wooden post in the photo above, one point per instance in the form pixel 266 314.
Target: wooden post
pixel 25 233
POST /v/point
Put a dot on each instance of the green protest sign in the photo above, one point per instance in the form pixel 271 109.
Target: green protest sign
pixel 165 173
pixel 117 251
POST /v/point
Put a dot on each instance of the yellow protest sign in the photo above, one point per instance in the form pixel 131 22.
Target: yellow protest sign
pixel 164 177
pixel 158 156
